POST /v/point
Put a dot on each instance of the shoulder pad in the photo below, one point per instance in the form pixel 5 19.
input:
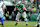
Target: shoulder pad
pixel 16 6
pixel 21 5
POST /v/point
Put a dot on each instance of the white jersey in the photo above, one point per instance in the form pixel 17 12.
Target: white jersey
pixel 1 10
pixel 1 3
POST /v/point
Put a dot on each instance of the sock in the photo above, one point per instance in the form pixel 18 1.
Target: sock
pixel 25 20
pixel 2 23
pixel 37 22
pixel 17 22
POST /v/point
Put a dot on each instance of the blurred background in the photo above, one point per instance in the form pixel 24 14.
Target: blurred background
pixel 33 7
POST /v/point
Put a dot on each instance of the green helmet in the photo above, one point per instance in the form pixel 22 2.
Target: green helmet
pixel 18 2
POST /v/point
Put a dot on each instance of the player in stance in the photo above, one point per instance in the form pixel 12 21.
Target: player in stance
pixel 1 12
pixel 38 19
pixel 21 11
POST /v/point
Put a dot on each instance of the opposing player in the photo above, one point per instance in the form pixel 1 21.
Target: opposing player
pixel 1 12
pixel 21 11
pixel 38 19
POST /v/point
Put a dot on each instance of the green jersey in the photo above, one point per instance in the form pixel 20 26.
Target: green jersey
pixel 19 8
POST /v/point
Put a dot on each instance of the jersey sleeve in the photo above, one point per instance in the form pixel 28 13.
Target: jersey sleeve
pixel 16 6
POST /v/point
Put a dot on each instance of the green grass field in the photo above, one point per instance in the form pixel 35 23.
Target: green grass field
pixel 21 24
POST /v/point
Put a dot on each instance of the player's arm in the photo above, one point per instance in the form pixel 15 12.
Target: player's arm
pixel 24 8
pixel 4 6
pixel 15 9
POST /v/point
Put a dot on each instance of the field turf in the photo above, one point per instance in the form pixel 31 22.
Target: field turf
pixel 21 24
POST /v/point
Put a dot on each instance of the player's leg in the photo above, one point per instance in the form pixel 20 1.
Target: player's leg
pixel 37 25
pixel 25 19
pixel 2 21
pixel 17 17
